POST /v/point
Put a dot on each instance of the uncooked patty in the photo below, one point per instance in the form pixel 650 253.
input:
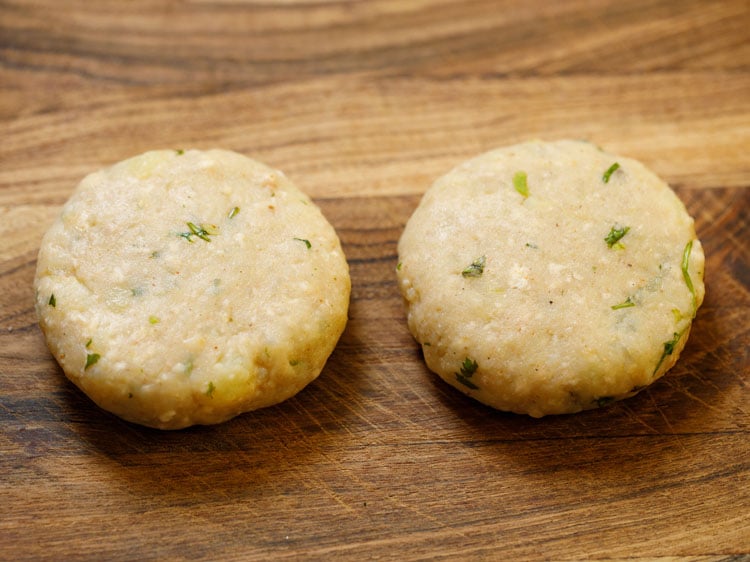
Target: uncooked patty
pixel 181 288
pixel 549 278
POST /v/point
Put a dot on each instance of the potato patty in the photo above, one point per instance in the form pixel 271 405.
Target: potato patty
pixel 186 287
pixel 549 278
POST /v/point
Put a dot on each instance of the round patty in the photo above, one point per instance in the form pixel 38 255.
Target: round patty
pixel 549 278
pixel 186 287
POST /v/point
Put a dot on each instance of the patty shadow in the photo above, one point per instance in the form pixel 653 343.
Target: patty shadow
pixel 266 451
pixel 672 419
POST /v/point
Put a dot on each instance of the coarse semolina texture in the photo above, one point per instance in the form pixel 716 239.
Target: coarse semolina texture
pixel 187 287
pixel 549 278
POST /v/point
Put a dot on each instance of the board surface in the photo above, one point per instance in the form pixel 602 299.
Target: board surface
pixel 363 105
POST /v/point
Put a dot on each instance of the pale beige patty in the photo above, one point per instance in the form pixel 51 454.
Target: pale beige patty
pixel 549 278
pixel 181 288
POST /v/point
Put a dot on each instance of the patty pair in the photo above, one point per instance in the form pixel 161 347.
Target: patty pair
pixel 187 287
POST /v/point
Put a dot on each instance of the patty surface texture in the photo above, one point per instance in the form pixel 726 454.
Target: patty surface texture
pixel 550 277
pixel 187 287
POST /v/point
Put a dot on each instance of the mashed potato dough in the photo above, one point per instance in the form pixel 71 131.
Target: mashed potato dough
pixel 187 287
pixel 549 278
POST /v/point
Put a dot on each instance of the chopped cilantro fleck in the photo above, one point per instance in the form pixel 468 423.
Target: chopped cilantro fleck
pixel 305 241
pixel 466 382
pixel 604 400
pixel 615 234
pixel 180 152
pixel 520 183
pixel 398 266
pixel 476 268
pixel 626 304
pixel 668 349
pixel 686 274
pixel 468 368
pixel 201 232
pixel 153 319
pixel 210 390
pixel 611 170
pixel 88 343
pixel 233 213
pixel 669 346
pixel 294 362
pixel 91 359
pixel 52 301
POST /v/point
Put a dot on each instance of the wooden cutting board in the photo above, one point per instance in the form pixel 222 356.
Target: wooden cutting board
pixel 363 105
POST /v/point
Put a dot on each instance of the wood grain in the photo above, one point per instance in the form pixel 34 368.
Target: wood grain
pixel 363 104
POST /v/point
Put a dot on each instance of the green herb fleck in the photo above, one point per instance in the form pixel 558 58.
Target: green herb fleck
pixel 294 362
pixel 686 274
pixel 210 390
pixel 180 152
pixel 611 170
pixel 398 266
pixel 199 231
pixel 88 343
pixel 233 213
pixel 203 232
pixel 476 268
pixel 532 246
pixel 153 319
pixel 677 314
pixel 668 350
pixel 305 241
pixel 626 304
pixel 520 183
pixel 136 291
pixel 468 368
pixel 669 346
pixel 91 359
pixel 615 234
pixel 52 301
